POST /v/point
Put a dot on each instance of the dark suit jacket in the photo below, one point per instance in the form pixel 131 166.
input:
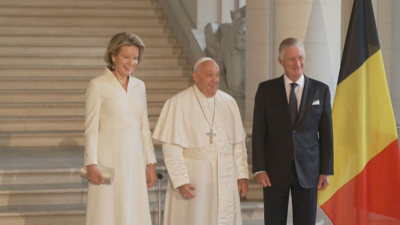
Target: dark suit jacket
pixel 277 141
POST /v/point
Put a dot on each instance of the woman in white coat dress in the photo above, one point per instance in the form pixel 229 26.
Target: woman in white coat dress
pixel 117 135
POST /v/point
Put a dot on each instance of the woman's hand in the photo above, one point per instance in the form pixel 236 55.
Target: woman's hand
pixel 151 175
pixel 243 187
pixel 94 175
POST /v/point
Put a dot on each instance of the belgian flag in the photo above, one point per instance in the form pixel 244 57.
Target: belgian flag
pixel 366 186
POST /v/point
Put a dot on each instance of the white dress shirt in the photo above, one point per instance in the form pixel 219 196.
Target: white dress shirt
pixel 299 89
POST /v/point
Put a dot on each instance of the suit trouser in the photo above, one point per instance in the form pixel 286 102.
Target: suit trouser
pixel 304 202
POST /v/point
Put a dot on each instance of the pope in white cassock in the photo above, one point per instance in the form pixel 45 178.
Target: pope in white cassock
pixel 204 152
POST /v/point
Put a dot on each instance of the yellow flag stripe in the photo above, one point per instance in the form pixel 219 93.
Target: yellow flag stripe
pixel 362 120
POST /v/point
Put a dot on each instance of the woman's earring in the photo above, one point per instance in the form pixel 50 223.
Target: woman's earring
pixel 113 65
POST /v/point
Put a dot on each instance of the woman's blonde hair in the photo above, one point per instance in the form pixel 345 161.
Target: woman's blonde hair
pixel 119 40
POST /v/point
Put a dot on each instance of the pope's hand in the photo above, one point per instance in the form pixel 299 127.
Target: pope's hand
pixel 186 191
pixel 94 175
pixel 263 179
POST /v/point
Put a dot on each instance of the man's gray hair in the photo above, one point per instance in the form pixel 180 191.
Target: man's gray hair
pixel 290 42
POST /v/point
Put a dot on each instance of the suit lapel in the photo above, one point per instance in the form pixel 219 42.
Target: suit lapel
pixel 305 99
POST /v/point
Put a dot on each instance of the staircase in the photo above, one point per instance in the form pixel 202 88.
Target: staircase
pixel 49 50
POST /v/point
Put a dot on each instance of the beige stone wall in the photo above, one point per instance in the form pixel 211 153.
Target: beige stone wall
pixel 323 28
pixel 394 81
pixel 258 48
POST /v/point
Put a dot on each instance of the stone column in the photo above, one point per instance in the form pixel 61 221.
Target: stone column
pixel 345 20
pixel 258 49
pixel 383 19
pixel 241 3
pixel 394 71
pixel 317 24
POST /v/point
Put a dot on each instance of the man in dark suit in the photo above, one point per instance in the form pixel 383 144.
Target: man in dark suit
pixel 292 139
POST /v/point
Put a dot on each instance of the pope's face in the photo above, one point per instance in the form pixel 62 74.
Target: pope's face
pixel 126 60
pixel 207 78
pixel 293 62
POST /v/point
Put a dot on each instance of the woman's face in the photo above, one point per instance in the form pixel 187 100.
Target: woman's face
pixel 126 60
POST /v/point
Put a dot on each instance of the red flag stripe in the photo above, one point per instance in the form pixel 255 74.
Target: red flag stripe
pixel 371 201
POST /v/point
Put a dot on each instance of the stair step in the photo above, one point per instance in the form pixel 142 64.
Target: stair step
pixel 49 165
pixel 75 214
pixel 41 124
pixel 42 176
pixel 31 160
pixel 77 30
pixel 81 21
pixel 115 4
pixel 87 61
pixel 49 123
pixel 76 193
pixel 78 12
pixel 46 138
pixel 255 191
pixel 36 138
pixel 58 193
pixel 57 109
pixel 42 95
pixel 43 194
pixel 68 95
pixel 91 71
pixel 57 83
pixel 252 211
pixel 81 41
pixel 82 51
pixel 42 109
pixel 43 214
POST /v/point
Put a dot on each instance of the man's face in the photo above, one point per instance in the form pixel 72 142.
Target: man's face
pixel 293 62
pixel 207 78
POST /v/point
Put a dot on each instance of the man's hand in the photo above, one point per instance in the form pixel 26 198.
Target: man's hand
pixel 243 187
pixel 94 175
pixel 186 191
pixel 323 182
pixel 263 179
pixel 151 175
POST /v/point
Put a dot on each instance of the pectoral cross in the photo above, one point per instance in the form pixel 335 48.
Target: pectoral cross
pixel 211 135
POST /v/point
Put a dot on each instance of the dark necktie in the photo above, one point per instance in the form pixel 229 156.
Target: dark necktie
pixel 293 102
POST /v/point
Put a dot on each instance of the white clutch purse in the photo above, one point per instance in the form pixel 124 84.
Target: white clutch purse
pixel 108 173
